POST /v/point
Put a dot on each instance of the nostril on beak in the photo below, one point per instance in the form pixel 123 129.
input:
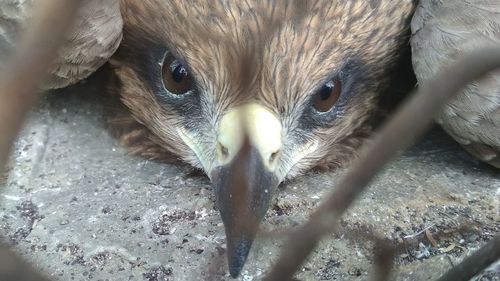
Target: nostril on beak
pixel 274 156
pixel 222 151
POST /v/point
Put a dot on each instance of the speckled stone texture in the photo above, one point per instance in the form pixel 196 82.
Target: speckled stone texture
pixel 79 208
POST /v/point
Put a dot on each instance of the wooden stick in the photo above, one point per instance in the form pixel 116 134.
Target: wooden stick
pixel 474 264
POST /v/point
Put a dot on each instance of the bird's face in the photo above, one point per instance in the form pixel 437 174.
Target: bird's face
pixel 277 87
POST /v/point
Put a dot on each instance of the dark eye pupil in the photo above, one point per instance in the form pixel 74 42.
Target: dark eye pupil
pixel 179 73
pixel 325 92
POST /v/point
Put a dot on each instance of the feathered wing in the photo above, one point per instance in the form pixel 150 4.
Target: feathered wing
pixel 95 36
pixel 441 32
pixel 13 13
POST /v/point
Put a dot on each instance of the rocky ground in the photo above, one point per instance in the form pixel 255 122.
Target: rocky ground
pixel 79 208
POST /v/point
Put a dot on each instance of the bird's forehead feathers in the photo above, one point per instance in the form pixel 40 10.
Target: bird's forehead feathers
pixel 286 46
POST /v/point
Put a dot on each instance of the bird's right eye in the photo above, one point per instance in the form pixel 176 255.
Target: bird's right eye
pixel 176 76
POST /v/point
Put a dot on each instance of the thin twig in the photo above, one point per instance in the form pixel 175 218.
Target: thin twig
pixel 411 236
pixel 400 131
pixel 383 260
pixel 216 263
pixel 13 268
pixel 474 264
pixel 384 251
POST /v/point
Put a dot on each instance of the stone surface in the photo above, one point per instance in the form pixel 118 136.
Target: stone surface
pixel 79 208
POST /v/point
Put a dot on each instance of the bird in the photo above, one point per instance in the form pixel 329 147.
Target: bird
pixel 252 93
pixel 442 32
pixel 279 87
pixel 94 37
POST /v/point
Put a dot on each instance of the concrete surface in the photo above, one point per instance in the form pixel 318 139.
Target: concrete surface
pixel 79 208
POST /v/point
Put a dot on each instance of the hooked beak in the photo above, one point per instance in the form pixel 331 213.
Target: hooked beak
pixel 249 145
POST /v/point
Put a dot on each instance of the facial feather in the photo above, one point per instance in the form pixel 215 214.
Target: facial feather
pixel 272 52
pixel 267 88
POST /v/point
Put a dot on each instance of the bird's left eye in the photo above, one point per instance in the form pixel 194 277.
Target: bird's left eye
pixel 176 77
pixel 327 96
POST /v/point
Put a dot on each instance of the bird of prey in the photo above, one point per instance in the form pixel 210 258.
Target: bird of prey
pixel 277 87
pixel 299 79
pixel 442 32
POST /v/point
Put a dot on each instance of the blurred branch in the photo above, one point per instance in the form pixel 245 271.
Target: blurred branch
pixel 25 71
pixel 474 264
pixel 384 251
pixel 410 121
pixel 13 268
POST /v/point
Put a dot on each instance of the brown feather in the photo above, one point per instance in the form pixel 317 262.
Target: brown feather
pixel 442 32
pixel 94 37
pixel 273 52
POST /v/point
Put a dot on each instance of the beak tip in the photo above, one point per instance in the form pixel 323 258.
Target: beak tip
pixel 235 270
pixel 237 255
pixel 242 196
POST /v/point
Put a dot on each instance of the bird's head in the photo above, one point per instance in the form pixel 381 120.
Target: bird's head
pixel 264 90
